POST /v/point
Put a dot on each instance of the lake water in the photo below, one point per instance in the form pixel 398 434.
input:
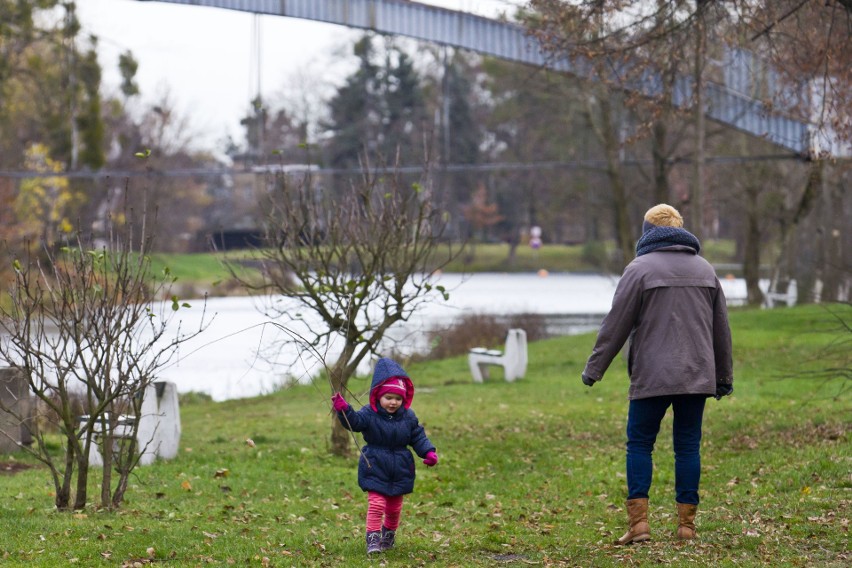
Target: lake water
pixel 231 358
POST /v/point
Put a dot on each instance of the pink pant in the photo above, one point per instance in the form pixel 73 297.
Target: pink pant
pixel 381 507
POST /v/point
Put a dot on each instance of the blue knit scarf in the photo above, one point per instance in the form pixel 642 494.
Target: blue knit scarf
pixel 659 237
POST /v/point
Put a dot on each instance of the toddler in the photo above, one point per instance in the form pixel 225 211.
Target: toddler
pixel 386 466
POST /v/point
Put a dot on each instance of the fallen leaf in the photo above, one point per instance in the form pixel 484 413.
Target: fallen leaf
pixel 224 472
pixel 186 485
pixel 250 443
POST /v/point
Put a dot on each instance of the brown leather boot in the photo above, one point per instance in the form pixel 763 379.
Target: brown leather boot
pixel 637 519
pixel 686 521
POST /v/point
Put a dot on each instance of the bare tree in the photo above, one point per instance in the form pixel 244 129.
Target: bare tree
pixel 360 260
pixel 88 324
pixel 480 214
pixel 807 44
pixel 619 46
pixel 757 202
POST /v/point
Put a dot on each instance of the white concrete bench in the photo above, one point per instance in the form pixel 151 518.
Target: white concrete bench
pixel 513 358
pixel 788 298
pixel 158 435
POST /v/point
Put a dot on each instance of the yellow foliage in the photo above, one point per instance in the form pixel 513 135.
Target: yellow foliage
pixel 43 203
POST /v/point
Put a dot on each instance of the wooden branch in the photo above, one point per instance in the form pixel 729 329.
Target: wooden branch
pixel 789 13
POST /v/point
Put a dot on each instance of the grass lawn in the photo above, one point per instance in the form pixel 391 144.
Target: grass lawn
pixel 531 473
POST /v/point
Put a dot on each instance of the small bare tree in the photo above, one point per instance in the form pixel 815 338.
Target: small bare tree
pixel 481 215
pixel 87 323
pixel 360 260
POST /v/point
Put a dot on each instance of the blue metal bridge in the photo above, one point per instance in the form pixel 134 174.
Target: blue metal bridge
pixel 728 103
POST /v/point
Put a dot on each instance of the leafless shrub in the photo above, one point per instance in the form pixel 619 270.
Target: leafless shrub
pixel 480 330
pixel 86 326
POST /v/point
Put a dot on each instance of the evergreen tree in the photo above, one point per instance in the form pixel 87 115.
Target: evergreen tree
pixel 404 120
pixel 127 66
pixel 89 121
pixel 380 110
pixel 461 134
pixel 464 135
pixel 349 111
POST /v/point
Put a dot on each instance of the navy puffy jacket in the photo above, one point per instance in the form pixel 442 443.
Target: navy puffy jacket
pixel 386 465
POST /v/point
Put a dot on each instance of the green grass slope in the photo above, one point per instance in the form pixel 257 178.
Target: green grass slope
pixel 531 473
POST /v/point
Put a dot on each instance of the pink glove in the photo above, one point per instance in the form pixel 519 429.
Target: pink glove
pixel 430 459
pixel 338 403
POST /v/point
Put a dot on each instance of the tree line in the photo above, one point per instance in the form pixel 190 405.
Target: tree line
pixel 509 147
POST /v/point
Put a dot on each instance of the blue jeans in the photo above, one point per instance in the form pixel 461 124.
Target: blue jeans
pixel 643 425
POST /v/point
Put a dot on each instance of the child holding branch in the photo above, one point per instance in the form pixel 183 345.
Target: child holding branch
pixel 386 466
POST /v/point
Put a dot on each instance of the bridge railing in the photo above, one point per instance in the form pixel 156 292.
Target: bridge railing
pixel 728 102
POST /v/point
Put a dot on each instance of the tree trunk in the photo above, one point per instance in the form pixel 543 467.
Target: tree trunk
pixel 125 464
pixel 833 270
pixel 624 236
pixel 513 249
pixel 751 256
pixel 108 426
pixel 789 231
pixel 661 168
pixel 697 198
pixel 612 147
pixel 340 436
pixel 63 493
pixel 82 482
pixel 120 490
pixel 659 132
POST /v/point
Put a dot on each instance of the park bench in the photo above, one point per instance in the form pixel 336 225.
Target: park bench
pixel 158 435
pixel 513 358
pixel 772 299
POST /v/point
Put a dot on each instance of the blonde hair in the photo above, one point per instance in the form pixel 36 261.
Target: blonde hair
pixel 663 215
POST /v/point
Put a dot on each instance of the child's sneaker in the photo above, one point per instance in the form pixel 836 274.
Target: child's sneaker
pixel 387 538
pixel 374 542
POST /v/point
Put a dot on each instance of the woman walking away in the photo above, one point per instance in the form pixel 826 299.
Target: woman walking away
pixel 671 306
pixel 386 466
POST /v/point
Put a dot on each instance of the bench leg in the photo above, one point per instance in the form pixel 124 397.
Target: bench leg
pixel 479 369
pixel 475 370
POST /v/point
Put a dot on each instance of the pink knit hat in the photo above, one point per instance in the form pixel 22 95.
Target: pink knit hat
pixel 394 385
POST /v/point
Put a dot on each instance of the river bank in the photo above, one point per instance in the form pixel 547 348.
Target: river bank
pixel 244 353
pixel 205 273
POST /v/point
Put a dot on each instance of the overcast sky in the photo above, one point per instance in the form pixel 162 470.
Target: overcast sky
pixel 204 57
